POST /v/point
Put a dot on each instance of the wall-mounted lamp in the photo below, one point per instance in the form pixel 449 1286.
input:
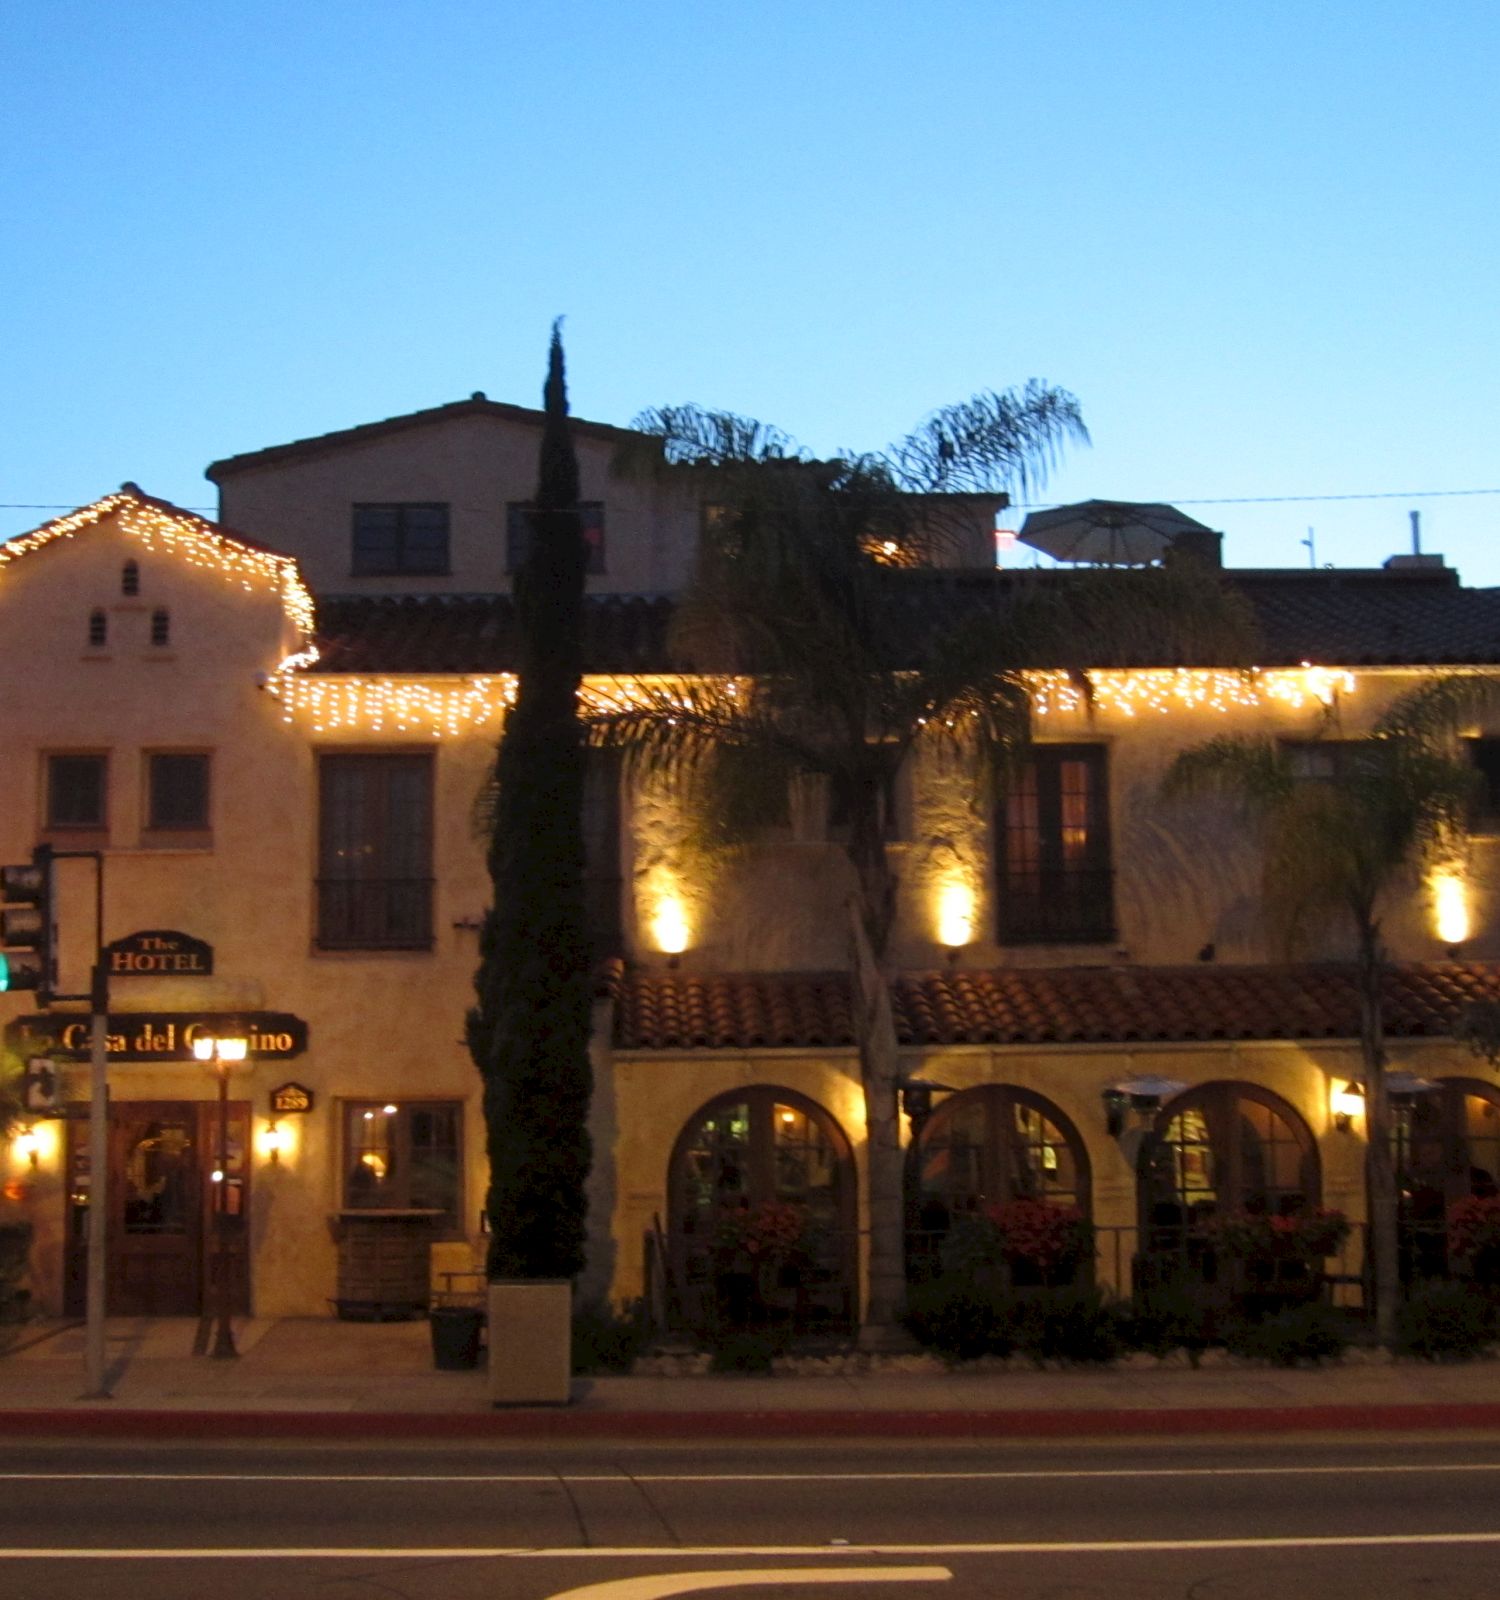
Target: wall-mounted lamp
pixel 916 1099
pixel 1347 1104
pixel 27 1147
pixel 273 1142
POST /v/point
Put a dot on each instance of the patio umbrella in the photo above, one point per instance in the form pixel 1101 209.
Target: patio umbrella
pixel 1120 533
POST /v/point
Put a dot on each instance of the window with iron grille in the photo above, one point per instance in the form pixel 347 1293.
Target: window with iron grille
pixel 374 852
pixel 1484 757
pixel 1055 876
pixel 130 578
pixel 161 627
pixel 98 630
pixel 518 523
pixel 177 791
pixel 400 540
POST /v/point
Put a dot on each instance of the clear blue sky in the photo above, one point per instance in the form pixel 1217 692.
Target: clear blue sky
pixel 1258 240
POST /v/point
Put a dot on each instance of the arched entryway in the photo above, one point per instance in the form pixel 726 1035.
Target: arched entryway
pixel 742 1153
pixel 1222 1148
pixel 1218 1150
pixel 1446 1146
pixel 983 1147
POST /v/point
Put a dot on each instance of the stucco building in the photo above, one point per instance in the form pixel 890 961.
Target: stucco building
pixel 273 729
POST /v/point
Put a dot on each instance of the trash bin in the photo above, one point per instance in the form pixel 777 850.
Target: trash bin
pixel 455 1337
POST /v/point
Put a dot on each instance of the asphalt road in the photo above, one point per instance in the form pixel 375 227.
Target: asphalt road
pixel 1287 1519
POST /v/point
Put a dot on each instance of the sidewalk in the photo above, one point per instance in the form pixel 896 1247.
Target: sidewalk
pixel 324 1379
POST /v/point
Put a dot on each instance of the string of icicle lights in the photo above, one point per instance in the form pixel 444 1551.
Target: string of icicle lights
pixel 191 539
pixel 447 708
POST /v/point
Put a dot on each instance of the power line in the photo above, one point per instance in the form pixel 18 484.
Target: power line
pixel 1279 499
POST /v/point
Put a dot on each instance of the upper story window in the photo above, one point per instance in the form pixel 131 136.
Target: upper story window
pixel 1055 878
pixel 374 852
pixel 401 540
pixel 1484 756
pixel 177 792
pixel 518 515
pixel 98 629
pixel 130 578
pixel 161 627
pixel 1324 760
pixel 77 789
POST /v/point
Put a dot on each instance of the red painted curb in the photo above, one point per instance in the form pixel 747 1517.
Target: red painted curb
pixel 540 1424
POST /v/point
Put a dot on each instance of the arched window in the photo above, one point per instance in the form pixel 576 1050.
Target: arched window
pixel 745 1151
pixel 985 1146
pixel 1446 1147
pixel 98 629
pixel 161 626
pixel 130 578
pixel 1222 1148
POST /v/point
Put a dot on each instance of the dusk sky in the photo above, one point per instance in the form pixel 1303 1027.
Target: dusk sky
pixel 1258 241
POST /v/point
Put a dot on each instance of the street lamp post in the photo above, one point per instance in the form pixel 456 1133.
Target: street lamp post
pixel 221 1051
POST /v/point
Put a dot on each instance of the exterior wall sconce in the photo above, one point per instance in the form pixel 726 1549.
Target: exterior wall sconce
pixel 1347 1104
pixel 27 1147
pixel 273 1141
pixel 916 1099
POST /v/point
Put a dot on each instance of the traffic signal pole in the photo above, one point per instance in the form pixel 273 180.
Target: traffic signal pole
pixel 96 1372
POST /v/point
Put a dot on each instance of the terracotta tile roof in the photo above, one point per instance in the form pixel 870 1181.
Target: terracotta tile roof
pixel 1329 618
pixel 1057 1005
pixel 466 633
pixel 674 1011
pixel 477 405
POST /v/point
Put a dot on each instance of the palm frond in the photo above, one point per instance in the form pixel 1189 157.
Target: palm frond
pixel 990 443
pixel 1254 772
pixel 1435 713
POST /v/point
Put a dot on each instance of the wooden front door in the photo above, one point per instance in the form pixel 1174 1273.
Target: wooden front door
pixel 161 1200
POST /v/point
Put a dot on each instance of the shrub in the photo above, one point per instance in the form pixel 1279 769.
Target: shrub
pixel 1310 1333
pixel 747 1350
pixel 1169 1316
pixel 1300 1236
pixel 15 1248
pixel 1474 1226
pixel 961 1316
pixel 1446 1321
pixel 1074 1327
pixel 606 1339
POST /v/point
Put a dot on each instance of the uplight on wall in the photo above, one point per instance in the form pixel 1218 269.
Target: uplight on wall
pixel 669 925
pixel 1450 906
pixel 955 913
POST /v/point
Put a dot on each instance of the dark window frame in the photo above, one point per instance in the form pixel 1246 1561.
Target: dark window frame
pixel 394 1189
pixel 98 634
pixel 361 903
pixel 1483 753
pixel 1049 891
pixel 155 763
pixel 516 530
pixel 51 821
pixel 404 558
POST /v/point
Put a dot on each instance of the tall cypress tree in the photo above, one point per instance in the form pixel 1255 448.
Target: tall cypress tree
pixel 529 1030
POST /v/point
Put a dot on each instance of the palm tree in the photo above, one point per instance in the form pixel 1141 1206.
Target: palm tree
pixel 827 641
pixel 1337 849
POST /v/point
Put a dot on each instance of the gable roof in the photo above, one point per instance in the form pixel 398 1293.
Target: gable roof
pixel 1040 1006
pixel 477 405
pixel 159 523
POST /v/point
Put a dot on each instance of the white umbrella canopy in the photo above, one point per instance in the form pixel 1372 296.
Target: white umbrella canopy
pixel 1118 533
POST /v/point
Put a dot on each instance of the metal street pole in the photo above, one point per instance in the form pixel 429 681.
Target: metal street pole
pixel 224 1333
pixel 94 1349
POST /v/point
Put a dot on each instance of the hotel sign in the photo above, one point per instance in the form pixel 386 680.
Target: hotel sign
pixel 159 953
pixel 159 1035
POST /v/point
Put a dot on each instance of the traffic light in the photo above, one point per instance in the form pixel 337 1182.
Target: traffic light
pixel 28 959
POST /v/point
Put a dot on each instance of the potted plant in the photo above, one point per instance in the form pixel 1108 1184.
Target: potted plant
pixel 1041 1243
pixel 754 1246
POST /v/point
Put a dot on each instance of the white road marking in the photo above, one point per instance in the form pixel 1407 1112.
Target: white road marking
pixel 1352 1541
pixel 626 1478
pixel 659 1585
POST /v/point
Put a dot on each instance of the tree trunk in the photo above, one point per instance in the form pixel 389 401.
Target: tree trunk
pixel 880 1070
pixel 1379 1171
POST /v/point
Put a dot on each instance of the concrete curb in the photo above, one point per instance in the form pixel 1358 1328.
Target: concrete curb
pixel 563 1424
